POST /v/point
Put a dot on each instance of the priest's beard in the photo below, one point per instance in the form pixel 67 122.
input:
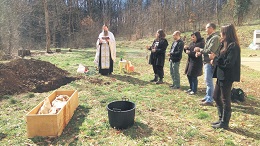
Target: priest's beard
pixel 105 33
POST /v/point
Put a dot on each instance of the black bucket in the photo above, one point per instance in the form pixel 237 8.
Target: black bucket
pixel 121 114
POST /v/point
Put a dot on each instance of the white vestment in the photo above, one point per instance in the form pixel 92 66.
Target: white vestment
pixel 105 56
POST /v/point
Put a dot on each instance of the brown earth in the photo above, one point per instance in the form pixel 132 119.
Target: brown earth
pixel 31 75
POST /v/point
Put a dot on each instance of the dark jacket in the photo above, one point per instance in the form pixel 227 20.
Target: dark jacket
pixel 176 50
pixel 158 57
pixel 227 65
pixel 194 64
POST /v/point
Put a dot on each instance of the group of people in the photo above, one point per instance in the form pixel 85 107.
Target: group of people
pixel 219 54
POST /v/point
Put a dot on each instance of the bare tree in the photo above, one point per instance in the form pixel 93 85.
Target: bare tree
pixel 76 23
pixel 48 34
pixel 11 12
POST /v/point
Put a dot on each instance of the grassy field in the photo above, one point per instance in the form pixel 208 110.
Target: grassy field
pixel 163 116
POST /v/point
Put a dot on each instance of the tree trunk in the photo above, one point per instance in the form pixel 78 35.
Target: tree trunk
pixel 217 13
pixel 239 20
pixel 10 46
pixel 24 52
pixel 55 25
pixel 48 34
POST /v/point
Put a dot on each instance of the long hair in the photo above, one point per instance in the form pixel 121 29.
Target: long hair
pixel 161 34
pixel 198 36
pixel 230 34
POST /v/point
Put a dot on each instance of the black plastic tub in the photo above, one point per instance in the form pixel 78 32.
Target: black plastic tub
pixel 121 114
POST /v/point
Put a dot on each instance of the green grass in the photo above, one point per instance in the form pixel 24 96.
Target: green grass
pixel 29 95
pixel 163 116
pixel 202 115
pixel 5 97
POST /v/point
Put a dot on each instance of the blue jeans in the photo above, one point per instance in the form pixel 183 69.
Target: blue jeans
pixel 209 82
pixel 193 83
pixel 175 74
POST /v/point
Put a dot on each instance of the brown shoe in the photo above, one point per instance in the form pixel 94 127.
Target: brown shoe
pixel 203 100
pixel 206 104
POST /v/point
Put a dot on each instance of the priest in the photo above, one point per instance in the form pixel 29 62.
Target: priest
pixel 106 51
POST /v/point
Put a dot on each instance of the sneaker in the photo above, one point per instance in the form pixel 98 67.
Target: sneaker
pixel 171 86
pixel 192 93
pixel 187 91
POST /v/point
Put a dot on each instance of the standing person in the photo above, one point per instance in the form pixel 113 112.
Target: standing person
pixel 211 46
pixel 226 70
pixel 194 63
pixel 175 58
pixel 106 51
pixel 157 57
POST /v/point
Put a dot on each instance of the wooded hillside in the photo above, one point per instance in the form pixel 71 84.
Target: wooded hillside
pixel 76 23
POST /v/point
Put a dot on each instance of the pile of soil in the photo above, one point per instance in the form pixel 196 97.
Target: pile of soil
pixel 31 75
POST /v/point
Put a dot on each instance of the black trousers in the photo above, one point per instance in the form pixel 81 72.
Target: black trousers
pixel 157 69
pixel 222 94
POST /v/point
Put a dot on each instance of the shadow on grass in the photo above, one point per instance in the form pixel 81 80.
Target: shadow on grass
pixel 138 131
pixel 201 92
pixel 129 79
pixel 2 136
pixel 245 132
pixel 133 73
pixel 249 107
pixel 71 131
pixel 87 51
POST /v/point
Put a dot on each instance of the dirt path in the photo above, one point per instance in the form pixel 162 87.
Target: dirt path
pixel 251 62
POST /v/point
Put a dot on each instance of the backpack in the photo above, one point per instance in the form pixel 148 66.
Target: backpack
pixel 237 94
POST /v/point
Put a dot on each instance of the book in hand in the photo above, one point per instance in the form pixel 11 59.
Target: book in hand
pixel 105 38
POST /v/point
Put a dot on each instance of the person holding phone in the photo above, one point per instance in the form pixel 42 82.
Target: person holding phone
pixel 157 57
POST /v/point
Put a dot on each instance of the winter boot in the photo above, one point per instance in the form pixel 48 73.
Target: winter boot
pixel 160 81
pixel 220 112
pixel 155 78
pixel 224 122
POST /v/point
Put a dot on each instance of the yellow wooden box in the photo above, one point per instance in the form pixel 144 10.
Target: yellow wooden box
pixel 51 125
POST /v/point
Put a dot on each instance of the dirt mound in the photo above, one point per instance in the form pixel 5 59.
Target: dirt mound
pixel 31 75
